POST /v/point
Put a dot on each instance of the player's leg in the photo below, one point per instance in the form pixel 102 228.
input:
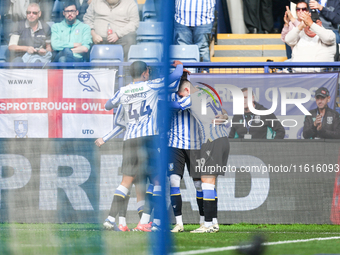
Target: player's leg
pixel 129 172
pixel 144 223
pixel 118 202
pixel 191 157
pixel 217 156
pixel 175 171
pixel 199 199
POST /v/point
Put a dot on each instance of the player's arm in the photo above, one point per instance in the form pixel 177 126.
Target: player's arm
pixel 110 104
pixel 112 134
pixel 181 104
pixel 221 118
pixel 174 79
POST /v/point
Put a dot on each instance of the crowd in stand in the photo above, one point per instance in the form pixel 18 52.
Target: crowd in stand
pixel 36 33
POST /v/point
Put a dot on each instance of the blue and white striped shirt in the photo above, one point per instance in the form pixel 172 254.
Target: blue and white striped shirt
pixel 194 13
pixel 139 100
pixel 119 122
pixel 183 133
pixel 194 102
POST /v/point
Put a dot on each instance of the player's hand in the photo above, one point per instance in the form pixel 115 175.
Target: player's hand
pixel 112 38
pixel 99 142
pixel 31 50
pixel 220 119
pixel 97 39
pixel 176 63
pixel 186 71
pixel 75 45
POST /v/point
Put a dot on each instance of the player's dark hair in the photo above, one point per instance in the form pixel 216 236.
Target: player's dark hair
pixel 137 68
pixel 68 3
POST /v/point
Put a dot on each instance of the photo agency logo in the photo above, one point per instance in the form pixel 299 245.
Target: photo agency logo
pixel 285 98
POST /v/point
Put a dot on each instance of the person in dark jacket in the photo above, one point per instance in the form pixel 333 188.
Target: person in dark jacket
pixel 252 126
pixel 324 122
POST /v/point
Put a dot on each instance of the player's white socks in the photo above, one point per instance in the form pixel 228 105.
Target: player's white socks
pixel 208 224
pixel 179 220
pixel 111 219
pixel 145 218
pixel 122 221
pixel 157 222
pixel 215 221
pixel 201 219
pixel 123 189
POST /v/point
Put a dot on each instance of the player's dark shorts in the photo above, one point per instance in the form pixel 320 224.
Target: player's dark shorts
pixel 213 158
pixel 178 158
pixel 140 156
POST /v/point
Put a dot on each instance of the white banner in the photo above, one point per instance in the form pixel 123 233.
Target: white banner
pixel 23 83
pixel 97 84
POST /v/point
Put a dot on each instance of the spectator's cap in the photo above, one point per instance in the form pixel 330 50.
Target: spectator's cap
pixel 137 68
pixel 322 92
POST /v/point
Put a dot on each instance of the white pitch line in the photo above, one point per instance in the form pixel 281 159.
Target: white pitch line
pixel 267 244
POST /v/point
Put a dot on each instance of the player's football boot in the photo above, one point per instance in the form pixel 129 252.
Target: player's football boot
pixel 216 227
pixel 178 228
pixel 108 225
pixel 143 227
pixel 203 229
pixel 124 229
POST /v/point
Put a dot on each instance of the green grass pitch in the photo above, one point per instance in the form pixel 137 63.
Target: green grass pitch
pixel 91 239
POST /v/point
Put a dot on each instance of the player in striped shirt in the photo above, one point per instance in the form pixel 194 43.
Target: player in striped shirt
pixel 139 100
pixel 214 150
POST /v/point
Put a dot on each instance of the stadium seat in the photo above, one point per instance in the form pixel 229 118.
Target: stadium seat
pixel 149 11
pixel 106 53
pixel 149 32
pixel 3 49
pixel 184 53
pixel 148 52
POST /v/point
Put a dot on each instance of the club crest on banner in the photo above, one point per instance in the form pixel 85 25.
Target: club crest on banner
pixel 88 81
pixel 21 128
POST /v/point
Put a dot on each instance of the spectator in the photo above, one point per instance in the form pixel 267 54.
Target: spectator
pixel 193 24
pixel 71 38
pixel 258 16
pixel 251 126
pixel 323 121
pixel 290 22
pixel 329 12
pixel 311 42
pixel 121 15
pixel 30 39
